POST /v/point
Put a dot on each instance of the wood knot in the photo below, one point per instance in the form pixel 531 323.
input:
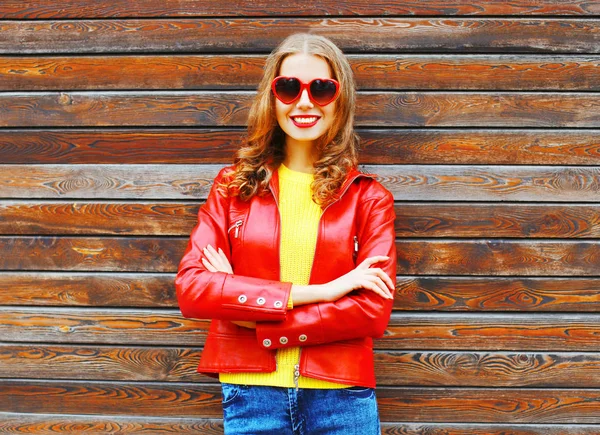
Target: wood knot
pixel 65 99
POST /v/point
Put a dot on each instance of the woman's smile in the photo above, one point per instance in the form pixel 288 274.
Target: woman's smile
pixel 305 121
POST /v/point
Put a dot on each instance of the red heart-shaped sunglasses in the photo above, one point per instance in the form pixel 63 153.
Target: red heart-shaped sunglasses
pixel 321 91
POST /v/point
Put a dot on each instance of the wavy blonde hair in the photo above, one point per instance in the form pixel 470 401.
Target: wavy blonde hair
pixel 264 147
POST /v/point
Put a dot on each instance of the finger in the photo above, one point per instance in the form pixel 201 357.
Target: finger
pixel 367 262
pixel 225 261
pixel 375 289
pixel 380 284
pixel 215 258
pixel 385 277
pixel 209 266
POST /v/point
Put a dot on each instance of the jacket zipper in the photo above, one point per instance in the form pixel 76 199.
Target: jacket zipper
pixel 297 366
pixel 279 248
pixel 237 226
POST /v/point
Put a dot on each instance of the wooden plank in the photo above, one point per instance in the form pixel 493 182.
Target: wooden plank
pixel 261 35
pixel 97 218
pixel 37 9
pixel 101 363
pixel 230 109
pixel 488 369
pixel 413 293
pixel 510 147
pixel 91 254
pixel 107 181
pixel 407 183
pixel 395 404
pixel 13 423
pixel 236 72
pixel 389 146
pixel 412 219
pixel 16 423
pixel 487 429
pixel 407 331
pixel 496 220
pixel 88 289
pixel 144 145
pixel 101 326
pixel 498 257
pixel 393 368
pixel 489 405
pixel 415 256
pixel 132 399
pixel 482 183
pixel 425 293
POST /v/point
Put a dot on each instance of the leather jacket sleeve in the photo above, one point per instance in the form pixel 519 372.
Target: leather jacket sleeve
pixel 360 313
pixel 217 295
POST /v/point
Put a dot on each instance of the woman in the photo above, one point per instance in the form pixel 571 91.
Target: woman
pixel 293 257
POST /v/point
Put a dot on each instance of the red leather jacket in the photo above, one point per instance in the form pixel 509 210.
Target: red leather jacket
pixel 335 337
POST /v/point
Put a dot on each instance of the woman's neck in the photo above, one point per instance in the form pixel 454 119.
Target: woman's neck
pixel 299 156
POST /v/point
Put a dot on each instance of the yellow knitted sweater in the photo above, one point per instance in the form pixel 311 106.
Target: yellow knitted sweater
pixel 299 226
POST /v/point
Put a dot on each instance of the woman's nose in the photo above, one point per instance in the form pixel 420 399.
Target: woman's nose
pixel 304 101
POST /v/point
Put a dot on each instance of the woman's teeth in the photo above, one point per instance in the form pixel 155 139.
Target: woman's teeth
pixel 305 120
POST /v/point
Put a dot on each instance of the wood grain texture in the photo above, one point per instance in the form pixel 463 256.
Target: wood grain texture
pixel 123 146
pixel 469 293
pixel 236 72
pixel 230 109
pixel 415 256
pixel 393 368
pixel 498 257
pixel 15 423
pixel 36 9
pixel 482 183
pixel 101 326
pixel 407 182
pixel 88 289
pixel 28 423
pixel 101 363
pixel 413 293
pixel 488 369
pixel 99 218
pixel 386 146
pixel 406 331
pixel 91 254
pixel 104 398
pixel 489 405
pixel 412 219
pixel 497 220
pixel 395 404
pixel 261 35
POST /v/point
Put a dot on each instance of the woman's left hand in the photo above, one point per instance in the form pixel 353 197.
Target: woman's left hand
pixel 216 261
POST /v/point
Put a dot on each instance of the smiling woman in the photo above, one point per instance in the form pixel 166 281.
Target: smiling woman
pixel 293 257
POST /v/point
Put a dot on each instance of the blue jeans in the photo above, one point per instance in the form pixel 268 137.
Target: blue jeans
pixel 259 410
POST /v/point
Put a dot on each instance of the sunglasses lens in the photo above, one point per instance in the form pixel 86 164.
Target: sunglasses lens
pixel 323 91
pixel 287 89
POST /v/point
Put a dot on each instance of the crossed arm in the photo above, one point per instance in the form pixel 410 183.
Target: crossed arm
pixel 363 276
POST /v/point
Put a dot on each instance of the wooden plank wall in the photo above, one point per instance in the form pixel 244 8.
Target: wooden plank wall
pixel 480 116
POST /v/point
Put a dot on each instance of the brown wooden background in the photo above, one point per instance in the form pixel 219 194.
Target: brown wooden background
pixel 482 117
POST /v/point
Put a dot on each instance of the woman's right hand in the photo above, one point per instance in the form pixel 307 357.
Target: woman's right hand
pixel 362 277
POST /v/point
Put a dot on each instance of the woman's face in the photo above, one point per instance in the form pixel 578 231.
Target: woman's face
pixel 303 120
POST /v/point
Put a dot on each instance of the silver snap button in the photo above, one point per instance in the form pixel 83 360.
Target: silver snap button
pixel 242 299
pixel 261 301
pixel 266 342
pixel 283 340
pixel 302 337
pixel 278 304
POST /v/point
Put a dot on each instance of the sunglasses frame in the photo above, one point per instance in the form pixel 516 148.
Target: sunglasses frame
pixel 306 86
